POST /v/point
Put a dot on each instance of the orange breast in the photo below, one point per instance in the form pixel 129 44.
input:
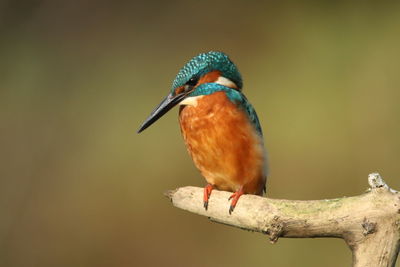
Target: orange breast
pixel 224 144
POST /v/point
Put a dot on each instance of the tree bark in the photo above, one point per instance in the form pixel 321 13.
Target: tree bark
pixel 369 223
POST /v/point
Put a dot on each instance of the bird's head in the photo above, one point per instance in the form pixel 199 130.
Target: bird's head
pixel 210 67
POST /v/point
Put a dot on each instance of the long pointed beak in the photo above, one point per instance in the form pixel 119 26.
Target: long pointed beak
pixel 169 102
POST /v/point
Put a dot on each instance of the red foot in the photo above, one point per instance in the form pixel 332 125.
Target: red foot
pixel 207 192
pixel 235 197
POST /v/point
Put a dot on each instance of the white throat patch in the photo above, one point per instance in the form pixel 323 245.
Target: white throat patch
pixel 190 101
pixel 226 82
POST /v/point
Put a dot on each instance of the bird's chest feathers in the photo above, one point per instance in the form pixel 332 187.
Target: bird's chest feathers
pixel 208 118
pixel 220 138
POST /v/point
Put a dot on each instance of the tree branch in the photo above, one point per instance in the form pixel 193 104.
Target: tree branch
pixel 369 223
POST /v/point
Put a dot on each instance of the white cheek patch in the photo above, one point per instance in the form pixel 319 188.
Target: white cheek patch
pixel 225 82
pixel 190 101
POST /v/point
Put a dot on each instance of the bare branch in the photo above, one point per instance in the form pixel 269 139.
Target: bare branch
pixel 369 223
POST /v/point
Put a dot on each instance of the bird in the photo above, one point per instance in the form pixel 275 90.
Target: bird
pixel 219 126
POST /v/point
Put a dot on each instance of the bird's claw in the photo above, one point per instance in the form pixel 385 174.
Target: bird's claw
pixel 207 192
pixel 231 208
pixel 235 197
pixel 205 205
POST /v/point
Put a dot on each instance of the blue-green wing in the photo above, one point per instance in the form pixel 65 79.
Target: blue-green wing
pixel 251 112
pixel 239 98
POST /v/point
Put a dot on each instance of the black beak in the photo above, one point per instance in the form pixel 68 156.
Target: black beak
pixel 169 102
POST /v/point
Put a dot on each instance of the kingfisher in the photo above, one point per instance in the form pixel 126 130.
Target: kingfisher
pixel 220 127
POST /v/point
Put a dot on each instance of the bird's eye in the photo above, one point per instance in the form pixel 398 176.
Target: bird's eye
pixel 192 81
pixel 189 85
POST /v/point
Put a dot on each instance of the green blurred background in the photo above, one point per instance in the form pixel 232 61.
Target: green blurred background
pixel 79 187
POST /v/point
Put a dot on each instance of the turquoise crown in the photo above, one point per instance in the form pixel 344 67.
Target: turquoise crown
pixel 204 63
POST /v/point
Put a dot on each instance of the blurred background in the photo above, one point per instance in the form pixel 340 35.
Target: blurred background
pixel 79 187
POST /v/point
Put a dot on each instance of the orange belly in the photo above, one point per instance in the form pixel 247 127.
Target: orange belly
pixel 224 144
